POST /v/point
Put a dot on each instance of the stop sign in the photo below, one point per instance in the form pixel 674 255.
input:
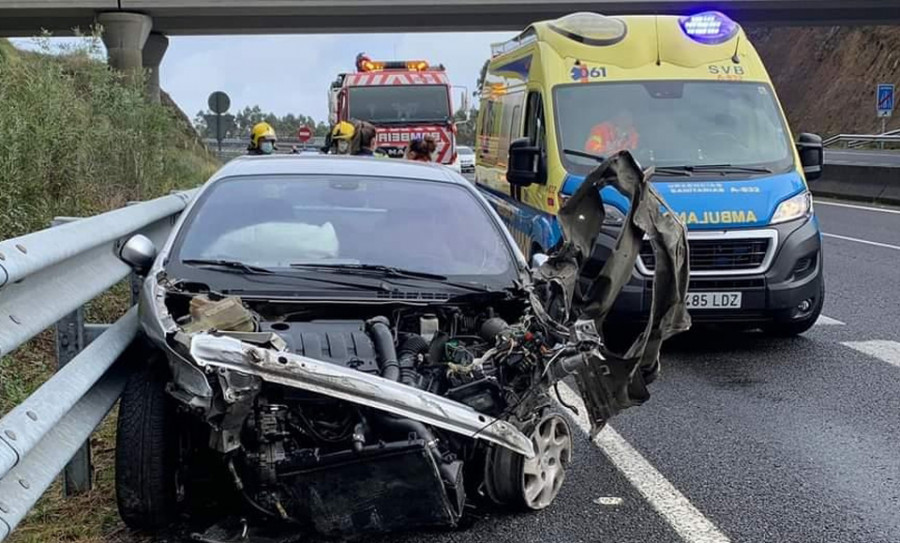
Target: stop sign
pixel 304 133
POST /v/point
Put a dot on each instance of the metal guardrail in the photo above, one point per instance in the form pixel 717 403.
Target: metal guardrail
pixel 234 147
pixel 45 278
pixel 857 139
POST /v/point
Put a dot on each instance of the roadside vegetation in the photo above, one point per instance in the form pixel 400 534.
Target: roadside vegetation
pixel 79 139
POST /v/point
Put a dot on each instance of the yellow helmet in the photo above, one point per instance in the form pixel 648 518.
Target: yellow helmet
pixel 343 131
pixel 261 131
pixel 343 138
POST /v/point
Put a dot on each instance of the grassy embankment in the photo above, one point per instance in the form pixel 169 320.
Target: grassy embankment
pixel 78 139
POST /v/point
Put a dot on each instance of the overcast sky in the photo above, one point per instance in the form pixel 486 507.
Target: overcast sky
pixel 291 74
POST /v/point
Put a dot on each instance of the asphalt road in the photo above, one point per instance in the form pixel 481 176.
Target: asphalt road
pixel 753 439
pixel 886 159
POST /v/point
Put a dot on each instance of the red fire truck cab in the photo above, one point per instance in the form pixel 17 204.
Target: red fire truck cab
pixel 403 99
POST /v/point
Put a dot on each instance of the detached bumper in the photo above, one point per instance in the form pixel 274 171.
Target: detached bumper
pixel 794 276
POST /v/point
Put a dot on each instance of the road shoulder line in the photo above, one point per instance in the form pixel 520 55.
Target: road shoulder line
pixel 864 241
pixel 667 500
pixel 818 201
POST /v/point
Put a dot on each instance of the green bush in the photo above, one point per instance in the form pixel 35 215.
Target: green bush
pixel 79 138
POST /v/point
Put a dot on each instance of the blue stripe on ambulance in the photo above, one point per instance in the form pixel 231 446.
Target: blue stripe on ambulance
pixel 710 204
pixel 706 204
pixel 527 225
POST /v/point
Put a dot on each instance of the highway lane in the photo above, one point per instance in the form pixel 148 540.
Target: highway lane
pixel 888 159
pixel 863 222
pixel 766 440
pixel 792 440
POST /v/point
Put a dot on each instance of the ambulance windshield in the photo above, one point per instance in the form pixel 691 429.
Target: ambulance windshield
pixel 673 124
pixel 400 104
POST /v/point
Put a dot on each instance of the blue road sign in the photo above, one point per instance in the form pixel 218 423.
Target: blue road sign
pixel 885 100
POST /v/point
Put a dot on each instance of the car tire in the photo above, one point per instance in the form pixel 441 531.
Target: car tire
pixel 147 450
pixel 795 328
pixel 510 478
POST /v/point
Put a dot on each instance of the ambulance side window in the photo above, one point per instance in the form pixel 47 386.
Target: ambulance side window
pixel 487 129
pixel 535 130
pixel 514 122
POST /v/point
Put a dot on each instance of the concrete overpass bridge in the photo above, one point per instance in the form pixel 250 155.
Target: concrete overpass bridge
pixel 136 30
pixel 193 17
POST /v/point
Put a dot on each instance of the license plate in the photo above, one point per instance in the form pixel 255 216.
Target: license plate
pixel 714 300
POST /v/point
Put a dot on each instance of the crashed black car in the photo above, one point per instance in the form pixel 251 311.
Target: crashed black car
pixel 350 345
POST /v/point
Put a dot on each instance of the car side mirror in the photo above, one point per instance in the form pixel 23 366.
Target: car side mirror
pixel 538 260
pixel 139 253
pixel 812 155
pixel 526 164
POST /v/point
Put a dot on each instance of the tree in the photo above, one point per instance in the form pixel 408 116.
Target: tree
pixel 240 124
pixel 482 78
pixel 205 125
pixel 465 127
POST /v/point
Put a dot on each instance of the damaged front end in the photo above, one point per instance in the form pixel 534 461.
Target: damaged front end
pixel 347 418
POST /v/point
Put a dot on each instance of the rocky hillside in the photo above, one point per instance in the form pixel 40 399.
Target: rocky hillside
pixel 826 76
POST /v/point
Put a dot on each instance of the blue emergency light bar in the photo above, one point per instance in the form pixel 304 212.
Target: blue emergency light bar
pixel 709 27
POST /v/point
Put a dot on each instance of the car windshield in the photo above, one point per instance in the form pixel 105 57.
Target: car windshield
pixel 465 151
pixel 673 123
pixel 277 222
pixel 400 104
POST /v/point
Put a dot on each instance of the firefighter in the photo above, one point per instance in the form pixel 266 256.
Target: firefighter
pixel 341 138
pixel 366 133
pixel 262 139
pixel 421 149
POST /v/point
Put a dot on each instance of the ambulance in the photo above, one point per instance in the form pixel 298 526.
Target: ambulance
pixel 404 99
pixel 690 97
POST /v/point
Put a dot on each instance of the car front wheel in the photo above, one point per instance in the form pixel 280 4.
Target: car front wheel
pixel 147 450
pixel 531 484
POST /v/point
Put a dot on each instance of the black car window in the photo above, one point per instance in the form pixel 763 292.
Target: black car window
pixel 278 221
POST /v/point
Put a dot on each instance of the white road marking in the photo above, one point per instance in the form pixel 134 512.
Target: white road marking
pixel 865 241
pixel 854 206
pixel 887 351
pixel 671 504
pixel 828 321
pixel 609 500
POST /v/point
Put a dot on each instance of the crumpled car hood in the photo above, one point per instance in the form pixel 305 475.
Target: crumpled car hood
pixel 350 385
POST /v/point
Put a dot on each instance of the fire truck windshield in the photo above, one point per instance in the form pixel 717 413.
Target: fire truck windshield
pixel 400 104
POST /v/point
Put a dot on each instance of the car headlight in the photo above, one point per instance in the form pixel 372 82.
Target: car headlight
pixel 793 208
pixel 614 216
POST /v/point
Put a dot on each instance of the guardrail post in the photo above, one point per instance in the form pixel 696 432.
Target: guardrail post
pixel 70 340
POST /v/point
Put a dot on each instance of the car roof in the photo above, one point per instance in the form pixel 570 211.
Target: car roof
pixel 337 165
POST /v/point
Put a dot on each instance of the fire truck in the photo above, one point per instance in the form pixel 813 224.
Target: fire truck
pixel 404 99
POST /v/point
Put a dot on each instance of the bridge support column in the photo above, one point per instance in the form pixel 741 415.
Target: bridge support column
pixel 154 50
pixel 124 35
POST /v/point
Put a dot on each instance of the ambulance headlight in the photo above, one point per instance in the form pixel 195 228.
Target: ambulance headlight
pixel 590 28
pixel 709 27
pixel 795 207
